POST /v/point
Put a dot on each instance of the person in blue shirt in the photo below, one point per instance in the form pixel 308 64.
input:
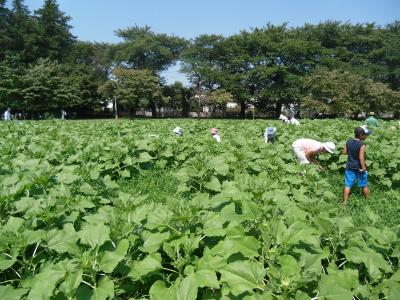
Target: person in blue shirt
pixel 356 168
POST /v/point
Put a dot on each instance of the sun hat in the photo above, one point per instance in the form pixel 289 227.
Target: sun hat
pixel 329 146
pixel 213 130
pixel 371 113
pixel 362 130
pixel 270 130
pixel 177 130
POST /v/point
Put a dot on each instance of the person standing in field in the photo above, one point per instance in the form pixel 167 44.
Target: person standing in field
pixel 7 114
pixel 63 114
pixel 356 167
pixel 270 134
pixel 306 150
pixel 215 135
pixel 371 121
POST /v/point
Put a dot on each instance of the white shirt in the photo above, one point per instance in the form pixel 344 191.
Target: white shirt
pixel 7 115
pixel 294 121
pixel 217 138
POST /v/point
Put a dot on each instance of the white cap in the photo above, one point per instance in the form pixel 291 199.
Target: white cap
pixel 177 130
pixel 329 146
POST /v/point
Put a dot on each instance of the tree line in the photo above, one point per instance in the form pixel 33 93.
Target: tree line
pixel 331 68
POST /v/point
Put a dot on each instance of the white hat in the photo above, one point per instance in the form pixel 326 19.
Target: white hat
pixel 177 130
pixel 329 146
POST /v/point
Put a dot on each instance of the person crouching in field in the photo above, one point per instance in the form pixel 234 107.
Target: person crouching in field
pixel 307 150
pixel 215 135
pixel 178 131
pixel 356 167
pixel 270 135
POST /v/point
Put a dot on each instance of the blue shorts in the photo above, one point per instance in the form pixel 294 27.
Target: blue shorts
pixel 350 177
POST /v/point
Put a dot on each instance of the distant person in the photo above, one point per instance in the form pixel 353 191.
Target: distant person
pixel 270 135
pixel 307 150
pixel 215 135
pixel 292 120
pixel 178 131
pixel 284 119
pixel 371 120
pixel 7 114
pixel 356 167
pixel 63 114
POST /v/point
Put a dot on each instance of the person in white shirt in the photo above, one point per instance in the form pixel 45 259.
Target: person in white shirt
pixel 270 134
pixel 63 114
pixel 292 120
pixel 215 135
pixel 7 114
pixel 178 131
pixel 306 150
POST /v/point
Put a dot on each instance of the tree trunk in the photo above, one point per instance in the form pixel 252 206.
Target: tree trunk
pixel 132 112
pixel 185 106
pixel 278 109
pixel 242 114
pixel 153 110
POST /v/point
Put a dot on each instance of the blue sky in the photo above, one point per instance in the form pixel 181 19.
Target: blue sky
pixel 96 20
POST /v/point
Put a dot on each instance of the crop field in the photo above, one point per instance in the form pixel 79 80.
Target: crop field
pixel 106 210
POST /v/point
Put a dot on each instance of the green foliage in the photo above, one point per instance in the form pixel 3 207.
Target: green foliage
pixel 130 215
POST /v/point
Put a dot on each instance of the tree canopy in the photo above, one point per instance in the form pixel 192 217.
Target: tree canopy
pixel 332 67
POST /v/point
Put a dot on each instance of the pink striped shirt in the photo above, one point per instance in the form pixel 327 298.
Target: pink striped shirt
pixel 307 145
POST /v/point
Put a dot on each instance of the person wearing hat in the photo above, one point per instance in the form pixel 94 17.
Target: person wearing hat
pixel 306 150
pixel 178 131
pixel 215 135
pixel 371 121
pixel 270 134
pixel 356 167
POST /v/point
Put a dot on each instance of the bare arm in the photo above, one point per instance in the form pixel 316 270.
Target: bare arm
pixel 345 150
pixel 310 155
pixel 362 159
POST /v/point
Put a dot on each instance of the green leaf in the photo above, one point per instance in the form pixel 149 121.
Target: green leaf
pixel 7 292
pixel 373 261
pixel 338 285
pixel 110 183
pixel 71 283
pixel 187 288
pixel 219 165
pixel 159 291
pixel 87 189
pixel 243 276
pixel 63 240
pixel 44 283
pixel 159 218
pixel 213 185
pixel 111 259
pixel 247 245
pixel 153 241
pixel 150 263
pixel 144 157
pixel 104 289
pixel 207 278
pixel 94 235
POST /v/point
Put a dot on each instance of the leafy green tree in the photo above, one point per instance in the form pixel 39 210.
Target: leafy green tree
pixel 178 97
pixel 220 98
pixel 22 31
pixel 54 37
pixel 47 88
pixel 11 83
pixel 137 89
pixel 143 49
pixel 344 93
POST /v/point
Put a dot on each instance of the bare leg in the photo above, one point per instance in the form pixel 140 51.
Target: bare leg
pixel 346 193
pixel 366 192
